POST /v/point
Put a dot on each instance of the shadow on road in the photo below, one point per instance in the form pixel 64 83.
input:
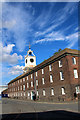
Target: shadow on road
pixel 49 115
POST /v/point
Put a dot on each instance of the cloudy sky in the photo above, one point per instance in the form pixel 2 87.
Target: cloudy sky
pixel 47 26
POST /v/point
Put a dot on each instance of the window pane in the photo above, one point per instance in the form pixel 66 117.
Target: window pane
pixel 74 60
pixel 75 73
pixel 77 89
pixel 27 85
pixel 51 78
pixel 24 87
pixel 50 68
pixel 43 92
pixel 37 93
pixel 27 77
pixel 31 76
pixel 60 63
pixel 63 90
pixel 36 82
pixel 43 81
pixel 31 84
pixel 36 74
pixel 61 75
pixel 52 91
pixel 42 71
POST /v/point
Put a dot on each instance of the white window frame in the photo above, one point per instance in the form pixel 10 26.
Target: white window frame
pixel 75 73
pixel 77 89
pixel 51 78
pixel 74 60
pixel 18 81
pixel 28 94
pixel 60 63
pixel 23 79
pixel 61 75
pixel 36 74
pixel 27 85
pixel 24 94
pixel 23 87
pixel 44 93
pixel 31 76
pixel 31 83
pixel 37 93
pixel 63 91
pixel 52 91
pixel 42 71
pixel 16 94
pixel 21 94
pixel 27 77
pixel 50 68
pixel 43 81
pixel 18 88
pixel 36 82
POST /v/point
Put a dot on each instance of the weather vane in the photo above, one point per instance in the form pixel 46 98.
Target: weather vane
pixel 29 46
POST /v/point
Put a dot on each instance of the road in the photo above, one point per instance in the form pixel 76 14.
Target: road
pixel 20 107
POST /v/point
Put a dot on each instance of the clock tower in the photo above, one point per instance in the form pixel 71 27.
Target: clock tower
pixel 30 60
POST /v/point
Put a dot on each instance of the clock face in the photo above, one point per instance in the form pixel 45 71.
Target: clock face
pixel 31 60
pixel 26 60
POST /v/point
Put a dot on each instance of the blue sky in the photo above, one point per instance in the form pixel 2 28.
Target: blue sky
pixel 47 26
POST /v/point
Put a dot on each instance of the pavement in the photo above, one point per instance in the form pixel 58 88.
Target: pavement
pixel 31 110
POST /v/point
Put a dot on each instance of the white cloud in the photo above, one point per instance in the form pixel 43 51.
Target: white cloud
pixel 16 70
pixel 8 24
pixel 17 22
pixel 56 19
pixel 71 39
pixel 53 36
pixel 6 56
pixel 76 29
pixel 8 48
pixel 72 36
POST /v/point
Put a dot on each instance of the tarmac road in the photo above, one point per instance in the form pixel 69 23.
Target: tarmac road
pixel 29 110
pixel 20 106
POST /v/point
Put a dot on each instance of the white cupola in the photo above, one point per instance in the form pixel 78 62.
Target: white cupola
pixel 30 60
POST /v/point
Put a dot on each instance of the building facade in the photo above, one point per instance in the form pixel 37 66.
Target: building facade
pixel 2 88
pixel 55 79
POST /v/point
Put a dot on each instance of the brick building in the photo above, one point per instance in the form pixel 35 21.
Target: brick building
pixel 55 79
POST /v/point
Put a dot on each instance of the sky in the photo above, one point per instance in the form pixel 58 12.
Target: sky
pixel 48 26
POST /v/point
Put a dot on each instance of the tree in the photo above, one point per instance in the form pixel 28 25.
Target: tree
pixel 57 51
